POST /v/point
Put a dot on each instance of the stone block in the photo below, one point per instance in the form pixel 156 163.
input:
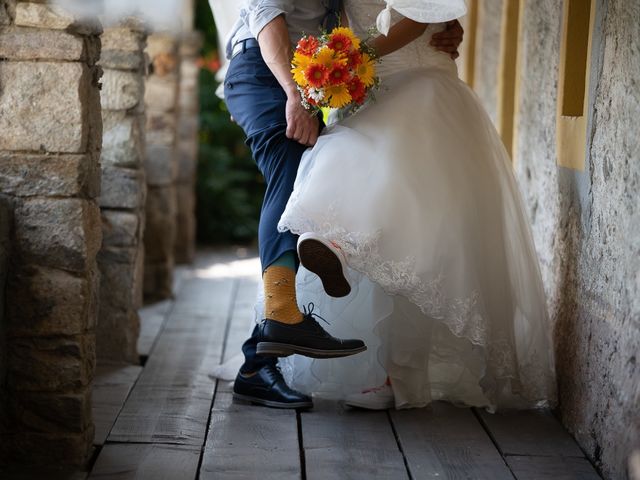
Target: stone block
pixel 161 94
pixel 47 412
pixel 48 301
pixel 117 278
pixel 138 275
pixel 158 280
pixel 121 90
pixel 33 44
pixel 120 229
pixel 187 161
pixel 123 139
pixel 161 128
pixel 30 14
pixel 122 188
pixel 58 233
pixel 43 106
pixel 160 165
pixel 117 59
pixel 69 175
pixel 123 39
pixel 117 335
pixel 7 11
pixel 53 364
pixel 51 448
pixel 185 244
pixel 160 228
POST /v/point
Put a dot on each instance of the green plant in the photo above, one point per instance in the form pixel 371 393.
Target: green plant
pixel 229 186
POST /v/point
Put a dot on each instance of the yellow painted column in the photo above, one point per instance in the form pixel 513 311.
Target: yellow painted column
pixel 573 82
pixel 507 73
pixel 467 59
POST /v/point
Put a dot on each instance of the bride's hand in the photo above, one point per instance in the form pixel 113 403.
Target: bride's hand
pixel 302 125
pixel 449 39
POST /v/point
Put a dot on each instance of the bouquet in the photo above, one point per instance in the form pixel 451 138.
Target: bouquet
pixel 335 70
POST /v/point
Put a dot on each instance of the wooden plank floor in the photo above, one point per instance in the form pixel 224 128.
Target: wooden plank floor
pixel 174 422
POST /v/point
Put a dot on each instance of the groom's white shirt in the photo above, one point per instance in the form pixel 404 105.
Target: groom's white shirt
pixel 302 16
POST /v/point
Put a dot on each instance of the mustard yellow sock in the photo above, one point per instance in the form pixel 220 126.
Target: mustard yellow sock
pixel 280 303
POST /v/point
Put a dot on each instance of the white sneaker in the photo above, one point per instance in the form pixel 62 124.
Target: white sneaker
pixel 378 398
pixel 326 260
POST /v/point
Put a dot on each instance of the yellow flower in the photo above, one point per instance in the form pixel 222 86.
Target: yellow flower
pixel 339 96
pixel 367 70
pixel 327 57
pixel 347 32
pixel 300 64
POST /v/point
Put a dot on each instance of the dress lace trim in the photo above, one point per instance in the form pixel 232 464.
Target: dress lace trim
pixel 462 316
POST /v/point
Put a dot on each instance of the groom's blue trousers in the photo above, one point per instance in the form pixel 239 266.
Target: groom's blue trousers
pixel 257 103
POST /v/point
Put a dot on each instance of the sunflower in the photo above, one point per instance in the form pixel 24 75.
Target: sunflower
pixel 316 74
pixel 348 33
pixel 328 57
pixel 300 63
pixel 338 96
pixel 366 71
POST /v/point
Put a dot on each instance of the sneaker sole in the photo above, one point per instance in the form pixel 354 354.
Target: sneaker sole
pixel 272 349
pixel 272 403
pixel 318 258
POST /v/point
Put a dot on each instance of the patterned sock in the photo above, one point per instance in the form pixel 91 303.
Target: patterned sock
pixel 280 303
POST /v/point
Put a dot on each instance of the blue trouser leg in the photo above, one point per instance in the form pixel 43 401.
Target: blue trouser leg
pixel 257 103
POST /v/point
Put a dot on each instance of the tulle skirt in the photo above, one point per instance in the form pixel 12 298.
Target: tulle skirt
pixel 418 192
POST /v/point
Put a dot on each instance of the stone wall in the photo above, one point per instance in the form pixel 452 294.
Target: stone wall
pixel 161 99
pixel 50 141
pixel 587 225
pixel 187 148
pixel 123 194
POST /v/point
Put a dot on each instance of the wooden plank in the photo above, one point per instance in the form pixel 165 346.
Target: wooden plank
pixel 146 461
pixel 35 473
pixel 530 433
pixel 170 403
pixel 351 444
pixel 152 319
pixel 443 441
pixel 551 468
pixel 111 387
pixel 248 442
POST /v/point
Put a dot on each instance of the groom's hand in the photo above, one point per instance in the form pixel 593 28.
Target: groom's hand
pixel 302 125
pixel 449 39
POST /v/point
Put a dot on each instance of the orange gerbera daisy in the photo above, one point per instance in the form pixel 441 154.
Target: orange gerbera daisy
pixel 308 45
pixel 347 32
pixel 357 90
pixel 339 42
pixel 317 75
pixel 339 74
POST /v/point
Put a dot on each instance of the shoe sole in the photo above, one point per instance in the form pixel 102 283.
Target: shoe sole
pixel 272 403
pixel 320 259
pixel 272 349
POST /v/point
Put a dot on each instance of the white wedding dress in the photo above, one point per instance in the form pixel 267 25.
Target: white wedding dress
pixel 417 190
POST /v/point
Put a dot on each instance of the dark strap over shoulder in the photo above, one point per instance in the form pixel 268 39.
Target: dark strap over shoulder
pixel 332 18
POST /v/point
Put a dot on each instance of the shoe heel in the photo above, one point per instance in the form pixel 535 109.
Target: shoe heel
pixel 270 349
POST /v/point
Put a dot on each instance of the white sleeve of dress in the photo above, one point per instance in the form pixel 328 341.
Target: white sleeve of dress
pixel 423 11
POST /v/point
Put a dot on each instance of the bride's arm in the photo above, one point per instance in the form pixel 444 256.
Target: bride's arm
pixel 406 31
pixel 400 34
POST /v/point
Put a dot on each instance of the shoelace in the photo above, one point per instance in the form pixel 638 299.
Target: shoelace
pixel 308 311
